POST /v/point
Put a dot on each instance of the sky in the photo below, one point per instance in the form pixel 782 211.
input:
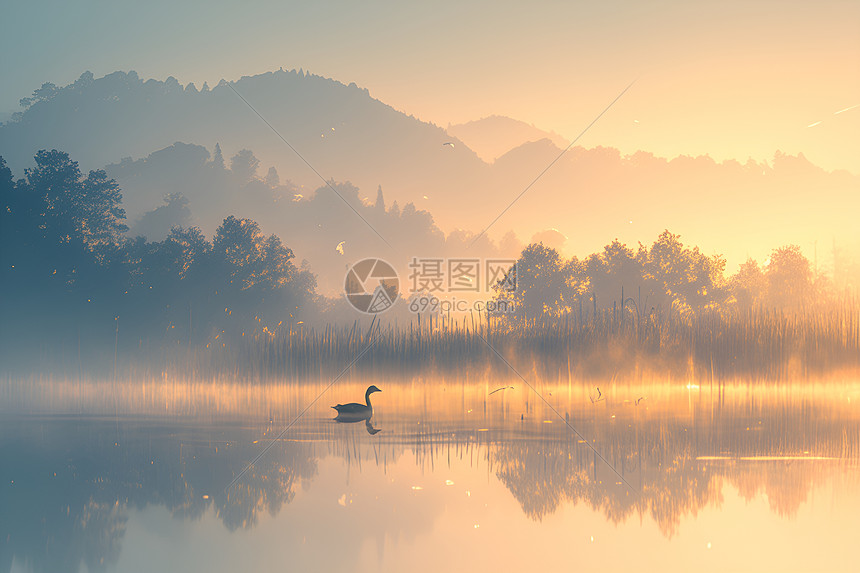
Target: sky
pixel 728 79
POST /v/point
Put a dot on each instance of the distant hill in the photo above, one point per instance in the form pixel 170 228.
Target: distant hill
pixel 184 184
pixel 340 130
pixel 493 136
pixel 591 196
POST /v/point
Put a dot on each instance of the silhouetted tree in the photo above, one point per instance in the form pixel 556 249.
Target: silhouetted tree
pixel 249 258
pixel 686 277
pixel 272 178
pixel 195 250
pixel 789 278
pixel 244 165
pixel 380 200
pixel 542 287
pixel 45 93
pixel 72 207
pixel 67 269
pixel 218 157
pixel 749 285
pixel 615 271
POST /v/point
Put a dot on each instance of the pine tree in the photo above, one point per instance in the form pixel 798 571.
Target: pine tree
pixel 380 200
pixel 272 178
pixel 218 158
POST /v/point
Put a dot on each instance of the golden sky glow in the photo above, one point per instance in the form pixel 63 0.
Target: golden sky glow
pixel 730 79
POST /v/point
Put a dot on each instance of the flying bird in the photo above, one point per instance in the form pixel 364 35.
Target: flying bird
pixel 451 143
pixel 339 247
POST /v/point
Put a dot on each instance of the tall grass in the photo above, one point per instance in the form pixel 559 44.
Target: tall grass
pixel 758 345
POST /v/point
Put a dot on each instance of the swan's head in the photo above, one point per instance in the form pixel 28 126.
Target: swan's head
pixel 372 389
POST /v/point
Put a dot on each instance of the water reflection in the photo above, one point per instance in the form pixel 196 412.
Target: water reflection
pixel 72 480
pixel 354 419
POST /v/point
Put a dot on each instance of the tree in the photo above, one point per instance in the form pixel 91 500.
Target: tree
pixel 615 271
pixel 380 200
pixel 45 93
pixel 541 285
pixel 88 210
pixel 244 165
pixel 687 278
pixel 789 278
pixel 101 212
pixel 194 249
pixel 250 259
pixel 748 285
pixel 272 178
pixel 218 158
pixel 278 270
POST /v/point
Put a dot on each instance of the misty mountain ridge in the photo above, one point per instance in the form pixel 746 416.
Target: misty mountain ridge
pixel 185 185
pixel 591 196
pixel 495 135
pixel 340 130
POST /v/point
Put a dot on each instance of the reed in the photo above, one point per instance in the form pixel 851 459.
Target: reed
pixel 761 344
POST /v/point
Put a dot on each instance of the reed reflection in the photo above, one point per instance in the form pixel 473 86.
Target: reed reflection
pixel 72 481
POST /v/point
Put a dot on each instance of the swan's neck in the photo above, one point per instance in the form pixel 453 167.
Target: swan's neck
pixel 367 398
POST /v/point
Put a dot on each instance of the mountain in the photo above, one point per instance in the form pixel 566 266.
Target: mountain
pixel 590 196
pixel 339 130
pixel 495 135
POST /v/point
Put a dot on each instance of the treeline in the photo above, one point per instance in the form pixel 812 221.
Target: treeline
pixel 668 277
pixel 76 291
pixel 70 276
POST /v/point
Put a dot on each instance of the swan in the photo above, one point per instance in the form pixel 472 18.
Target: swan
pixel 358 410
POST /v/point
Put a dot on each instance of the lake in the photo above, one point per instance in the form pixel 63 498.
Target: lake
pixel 449 475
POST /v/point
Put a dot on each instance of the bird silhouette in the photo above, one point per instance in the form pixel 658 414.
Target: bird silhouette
pixel 356 411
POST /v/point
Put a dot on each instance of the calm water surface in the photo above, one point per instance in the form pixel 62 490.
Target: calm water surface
pixel 456 478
